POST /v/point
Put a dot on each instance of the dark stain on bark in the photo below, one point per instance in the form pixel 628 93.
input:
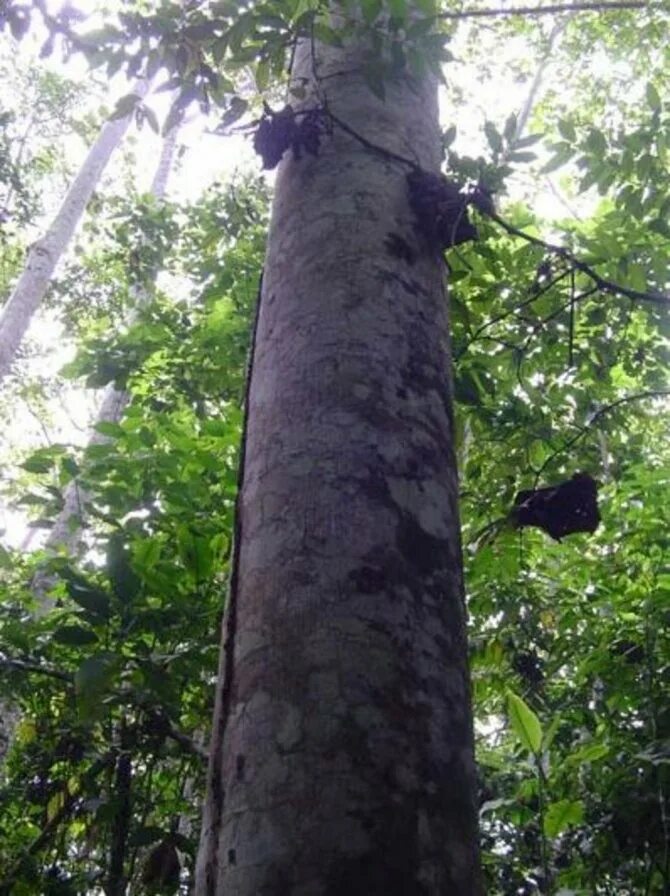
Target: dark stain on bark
pixel 232 857
pixel 398 247
pixel 421 550
pixel 390 867
pixel 368 579
pixel 239 766
pixel 409 284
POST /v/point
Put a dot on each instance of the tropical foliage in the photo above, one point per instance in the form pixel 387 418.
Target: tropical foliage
pixel 560 345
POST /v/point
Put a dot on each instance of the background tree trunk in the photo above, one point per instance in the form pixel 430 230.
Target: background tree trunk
pixel 66 532
pixel 45 253
pixel 341 759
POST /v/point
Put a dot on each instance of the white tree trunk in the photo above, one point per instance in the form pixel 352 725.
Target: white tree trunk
pixel 341 760
pixel 66 532
pixel 45 253
pixel 65 536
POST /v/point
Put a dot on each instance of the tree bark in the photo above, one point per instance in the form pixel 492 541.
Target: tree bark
pixel 341 759
pixel 46 252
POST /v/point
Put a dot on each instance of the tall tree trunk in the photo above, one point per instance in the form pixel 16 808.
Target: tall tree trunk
pixel 46 252
pixel 341 758
pixel 66 532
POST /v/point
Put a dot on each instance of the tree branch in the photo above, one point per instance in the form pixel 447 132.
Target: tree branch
pixel 626 399
pixel 602 283
pixel 551 9
pixel 8 664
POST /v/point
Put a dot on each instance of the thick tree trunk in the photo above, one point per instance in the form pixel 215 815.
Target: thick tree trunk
pixel 46 252
pixel 341 759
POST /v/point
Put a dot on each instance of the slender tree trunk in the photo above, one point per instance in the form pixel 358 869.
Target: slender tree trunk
pixel 341 759
pixel 66 532
pixel 46 252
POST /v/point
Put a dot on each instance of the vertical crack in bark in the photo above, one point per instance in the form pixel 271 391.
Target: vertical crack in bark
pixel 216 758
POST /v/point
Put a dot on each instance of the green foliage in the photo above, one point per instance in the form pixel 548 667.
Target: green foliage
pixel 569 642
pixel 131 638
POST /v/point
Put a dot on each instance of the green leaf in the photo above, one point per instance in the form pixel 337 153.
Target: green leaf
pixel 449 136
pixel 493 137
pixel 589 753
pixel 152 119
pixel 124 581
pixel 510 128
pixel 235 111
pixel 327 35
pixel 398 9
pixel 563 152
pixel 125 106
pixel 75 635
pixel 522 157
pixel 262 75
pixel 86 595
pixel 567 130
pixel 561 815
pixel 371 9
pixel 94 677
pixel 653 98
pixel 596 142
pixel 525 723
pixel 6 561
pixel 530 140
pixel 109 429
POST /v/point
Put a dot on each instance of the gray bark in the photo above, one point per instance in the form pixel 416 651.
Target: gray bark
pixel 46 252
pixel 341 759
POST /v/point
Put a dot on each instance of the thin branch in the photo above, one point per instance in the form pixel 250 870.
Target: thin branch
pixel 602 283
pixel 551 9
pixel 189 745
pixel 510 311
pixel 536 84
pixel 638 396
pixel 8 664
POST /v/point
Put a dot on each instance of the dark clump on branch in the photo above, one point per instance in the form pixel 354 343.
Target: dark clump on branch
pixel 287 129
pixel 570 506
pixel 440 209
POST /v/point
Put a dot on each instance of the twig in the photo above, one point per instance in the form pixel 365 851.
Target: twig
pixel 602 283
pixel 638 396
pixel 9 664
pixel 551 9
pixel 184 741
pixel 510 311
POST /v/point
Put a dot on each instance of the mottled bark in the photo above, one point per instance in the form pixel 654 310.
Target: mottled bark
pixel 46 252
pixel 341 760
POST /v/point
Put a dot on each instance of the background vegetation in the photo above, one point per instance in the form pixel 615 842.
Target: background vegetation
pixel 108 651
